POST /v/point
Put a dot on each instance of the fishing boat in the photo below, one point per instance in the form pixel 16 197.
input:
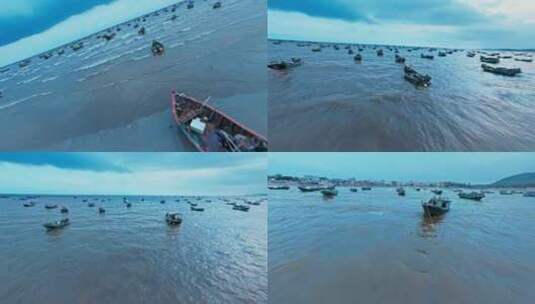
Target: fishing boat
pixel 400 191
pixel 354 190
pixel 441 54
pixel 29 204
pixel 380 52
pixel 437 191
pixel 529 194
pixel 3 70
pixel 501 70
pixel 316 49
pixel 198 209
pixel 475 196
pixel 399 59
pixel 311 188
pixel 285 65
pixel 366 188
pixel 91 205
pixel 24 63
pixel 51 206
pixel 350 52
pixel 524 59
pixel 64 210
pixel 278 187
pixel 141 31
pixel 173 218
pixel 329 192
pixel 470 54
pixel 101 210
pixel 358 58
pixel 416 78
pixel 436 206
pixel 57 224
pixel 216 5
pixel 162 202
pixel 493 60
pixel 243 208
pixel 506 192
pixel 157 48
pixel 430 57
pixel 191 5
pixel 128 204
pixel 210 130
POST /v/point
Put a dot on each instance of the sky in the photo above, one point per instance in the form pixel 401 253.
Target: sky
pixel 133 173
pixel 30 27
pixel 439 23
pixel 476 168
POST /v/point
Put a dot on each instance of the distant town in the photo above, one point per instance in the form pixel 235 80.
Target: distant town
pixel 524 180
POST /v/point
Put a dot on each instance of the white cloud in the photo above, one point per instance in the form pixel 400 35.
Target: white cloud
pixel 206 181
pixel 75 27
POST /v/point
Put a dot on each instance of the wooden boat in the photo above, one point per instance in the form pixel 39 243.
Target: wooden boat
pixel 279 187
pixel 57 224
pixel 524 59
pixel 162 202
pixel 329 192
pixel 91 205
pixel 199 209
pixel 157 48
pixel 400 191
pixel 475 196
pixel 501 70
pixel 285 65
pixel 400 59
pixel 354 190
pixel 493 60
pixel 529 194
pixel 217 5
pixel 173 218
pixel 366 188
pixel 243 208
pixel 210 130
pixel 24 63
pixel 51 206
pixel 101 210
pixel 64 210
pixel 358 58
pixel 311 188
pixel 430 57
pixel 436 206
pixel 437 191
pixel 29 204
pixel 380 52
pixel 416 78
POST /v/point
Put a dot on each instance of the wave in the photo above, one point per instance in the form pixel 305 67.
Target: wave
pixel 49 79
pixel 28 80
pixel 13 103
pixel 97 63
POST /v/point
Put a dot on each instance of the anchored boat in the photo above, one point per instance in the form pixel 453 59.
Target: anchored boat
pixel 279 187
pixel 475 196
pixel 173 218
pixel 501 70
pixel 436 206
pixel 210 130
pixel 285 65
pixel 57 224
pixel 329 192
pixel 400 191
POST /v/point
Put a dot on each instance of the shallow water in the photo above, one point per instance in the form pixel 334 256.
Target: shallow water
pixel 101 97
pixel 376 247
pixel 131 255
pixel 370 107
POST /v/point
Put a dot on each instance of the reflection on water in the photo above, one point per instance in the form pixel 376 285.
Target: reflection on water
pixel 130 255
pixel 370 107
pixel 377 247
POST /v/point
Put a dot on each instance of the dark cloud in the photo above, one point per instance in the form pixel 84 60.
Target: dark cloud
pixel 437 12
pixel 75 161
pixel 319 8
pixel 17 27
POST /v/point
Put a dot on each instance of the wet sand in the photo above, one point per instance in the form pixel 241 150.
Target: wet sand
pixel 370 107
pixel 116 95
pixel 130 255
pixel 376 247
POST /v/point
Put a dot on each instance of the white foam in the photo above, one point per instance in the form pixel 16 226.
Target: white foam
pixel 97 63
pixel 28 80
pixel 49 79
pixel 13 103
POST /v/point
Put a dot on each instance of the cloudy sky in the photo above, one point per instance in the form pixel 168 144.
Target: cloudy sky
pixel 30 27
pixel 431 167
pixel 441 23
pixel 133 173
